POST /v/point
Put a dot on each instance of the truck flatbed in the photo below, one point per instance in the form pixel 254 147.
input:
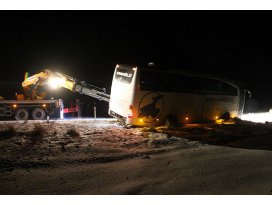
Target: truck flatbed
pixel 26 101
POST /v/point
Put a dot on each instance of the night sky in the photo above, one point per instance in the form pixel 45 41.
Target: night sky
pixel 88 44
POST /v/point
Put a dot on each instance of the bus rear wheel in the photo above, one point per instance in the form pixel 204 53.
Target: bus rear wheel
pixel 21 114
pixel 171 121
pixel 38 114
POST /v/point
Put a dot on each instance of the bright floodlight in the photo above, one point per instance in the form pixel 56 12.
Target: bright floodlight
pixel 258 117
pixel 56 82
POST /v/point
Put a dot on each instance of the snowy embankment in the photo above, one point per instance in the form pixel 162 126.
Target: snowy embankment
pixel 102 157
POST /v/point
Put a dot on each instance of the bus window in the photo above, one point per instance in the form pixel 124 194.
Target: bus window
pixel 168 82
pixel 152 81
pixel 217 87
pixel 124 74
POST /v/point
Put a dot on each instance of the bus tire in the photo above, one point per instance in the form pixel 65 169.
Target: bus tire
pixel 225 116
pixel 38 114
pixel 171 121
pixel 21 114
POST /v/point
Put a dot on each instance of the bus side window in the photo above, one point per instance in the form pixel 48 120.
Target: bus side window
pixel 229 89
pixel 152 81
pixel 167 82
pixel 145 81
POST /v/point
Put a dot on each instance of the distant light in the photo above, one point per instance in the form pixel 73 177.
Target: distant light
pixel 151 64
pixel 186 118
pixel 141 120
pixel 216 117
pixel 157 119
pixel 14 105
pixel 56 82
pixel 52 98
pixel 44 105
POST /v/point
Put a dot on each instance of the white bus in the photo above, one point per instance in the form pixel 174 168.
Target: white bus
pixel 150 97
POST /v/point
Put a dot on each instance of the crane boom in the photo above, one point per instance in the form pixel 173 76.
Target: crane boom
pixel 92 91
pixel 55 79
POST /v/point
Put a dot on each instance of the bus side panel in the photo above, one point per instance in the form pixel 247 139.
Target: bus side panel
pixel 153 108
pixel 216 106
pixel 186 107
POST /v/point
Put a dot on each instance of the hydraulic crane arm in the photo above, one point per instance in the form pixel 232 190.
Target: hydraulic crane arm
pixel 93 91
pixel 32 85
pixel 55 79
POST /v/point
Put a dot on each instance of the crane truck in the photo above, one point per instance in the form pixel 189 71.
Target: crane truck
pixel 32 104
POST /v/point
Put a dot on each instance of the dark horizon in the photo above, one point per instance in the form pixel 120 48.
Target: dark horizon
pixel 88 44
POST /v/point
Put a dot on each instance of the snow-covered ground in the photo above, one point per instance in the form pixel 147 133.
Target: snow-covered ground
pixel 102 157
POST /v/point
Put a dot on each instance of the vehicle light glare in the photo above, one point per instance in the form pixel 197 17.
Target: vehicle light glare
pixel 56 82
pixel 258 117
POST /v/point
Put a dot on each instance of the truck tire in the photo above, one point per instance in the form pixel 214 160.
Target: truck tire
pixel 38 114
pixel 21 114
